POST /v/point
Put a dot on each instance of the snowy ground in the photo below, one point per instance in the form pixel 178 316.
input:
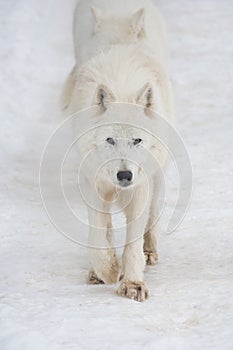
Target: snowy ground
pixel 44 301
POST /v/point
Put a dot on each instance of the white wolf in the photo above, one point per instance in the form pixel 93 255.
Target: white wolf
pixel 123 77
pixel 100 24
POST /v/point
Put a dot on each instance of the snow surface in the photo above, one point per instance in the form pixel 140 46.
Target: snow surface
pixel 44 300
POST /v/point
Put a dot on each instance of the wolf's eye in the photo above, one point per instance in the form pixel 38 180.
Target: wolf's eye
pixel 111 141
pixel 137 141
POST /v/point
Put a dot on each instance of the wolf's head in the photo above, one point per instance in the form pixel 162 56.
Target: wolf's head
pixel 121 145
pixel 121 149
pixel 118 29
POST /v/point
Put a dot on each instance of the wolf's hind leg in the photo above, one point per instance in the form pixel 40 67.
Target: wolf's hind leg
pixel 93 278
pixel 150 237
pixel 150 247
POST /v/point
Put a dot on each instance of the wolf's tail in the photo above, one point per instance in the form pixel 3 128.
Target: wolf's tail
pixel 68 90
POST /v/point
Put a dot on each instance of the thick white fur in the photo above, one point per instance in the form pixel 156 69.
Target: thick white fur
pixel 112 65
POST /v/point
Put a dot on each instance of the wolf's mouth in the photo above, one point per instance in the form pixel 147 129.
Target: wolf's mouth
pixel 125 183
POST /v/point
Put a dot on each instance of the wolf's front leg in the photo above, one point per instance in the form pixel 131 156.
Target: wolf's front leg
pixel 132 285
pixel 103 259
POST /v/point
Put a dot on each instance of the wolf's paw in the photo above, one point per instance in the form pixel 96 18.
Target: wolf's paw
pixel 133 290
pixel 93 278
pixel 151 257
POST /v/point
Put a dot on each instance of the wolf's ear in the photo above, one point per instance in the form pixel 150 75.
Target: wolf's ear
pixel 137 23
pixel 145 96
pixel 97 16
pixel 103 96
pixel 97 13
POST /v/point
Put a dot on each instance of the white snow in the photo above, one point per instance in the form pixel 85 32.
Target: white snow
pixel 44 300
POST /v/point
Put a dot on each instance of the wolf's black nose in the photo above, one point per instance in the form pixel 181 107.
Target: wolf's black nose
pixel 125 176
